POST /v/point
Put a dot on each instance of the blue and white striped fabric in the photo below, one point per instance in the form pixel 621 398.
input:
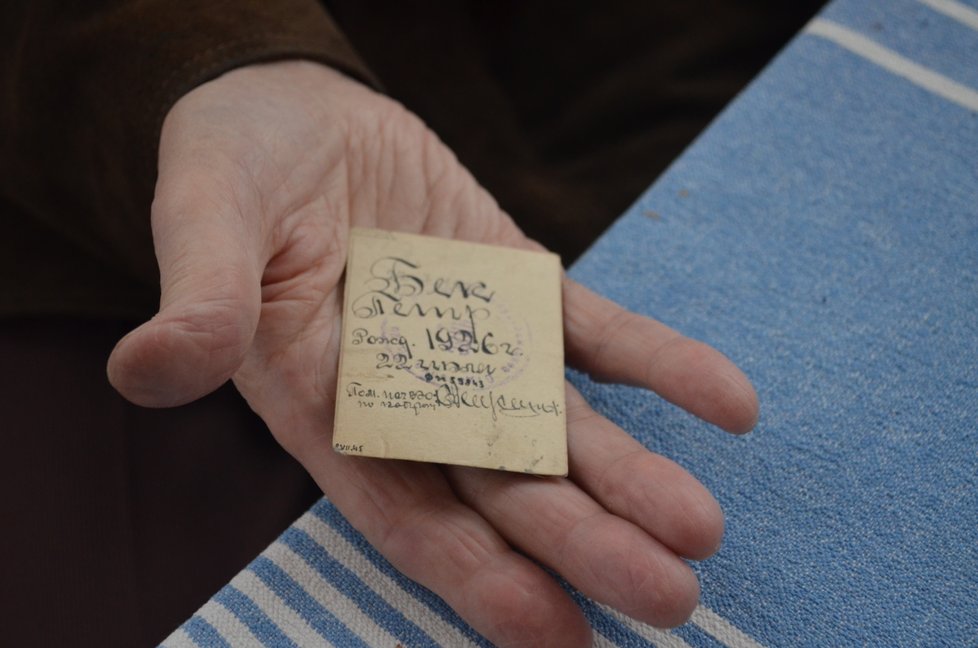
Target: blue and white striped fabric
pixel 320 583
pixel 824 234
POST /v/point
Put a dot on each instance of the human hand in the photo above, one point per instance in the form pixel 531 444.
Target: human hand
pixel 261 174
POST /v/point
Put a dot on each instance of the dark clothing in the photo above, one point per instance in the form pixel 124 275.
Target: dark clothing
pixel 564 115
pixel 121 521
pixel 86 87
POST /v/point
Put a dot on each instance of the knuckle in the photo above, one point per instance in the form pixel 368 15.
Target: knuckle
pixel 607 331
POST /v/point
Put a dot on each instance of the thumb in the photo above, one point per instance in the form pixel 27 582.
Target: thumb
pixel 210 271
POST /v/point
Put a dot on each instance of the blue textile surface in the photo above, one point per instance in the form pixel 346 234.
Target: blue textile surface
pixel 914 30
pixel 823 233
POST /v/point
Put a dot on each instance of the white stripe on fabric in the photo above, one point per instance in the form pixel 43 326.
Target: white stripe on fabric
pixel 179 639
pixel 227 625
pixel 600 641
pixel 895 63
pixel 345 610
pixel 962 13
pixel 285 618
pixel 722 630
pixel 657 637
pixel 386 587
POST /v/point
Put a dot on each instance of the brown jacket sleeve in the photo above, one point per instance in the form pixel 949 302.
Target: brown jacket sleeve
pixel 85 88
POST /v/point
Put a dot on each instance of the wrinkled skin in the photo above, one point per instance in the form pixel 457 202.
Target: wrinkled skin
pixel 261 174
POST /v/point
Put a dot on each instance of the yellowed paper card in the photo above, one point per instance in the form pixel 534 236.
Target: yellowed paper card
pixel 452 353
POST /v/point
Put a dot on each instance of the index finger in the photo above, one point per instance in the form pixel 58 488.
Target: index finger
pixel 615 345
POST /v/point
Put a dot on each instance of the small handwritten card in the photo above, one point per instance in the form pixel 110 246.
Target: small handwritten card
pixel 452 353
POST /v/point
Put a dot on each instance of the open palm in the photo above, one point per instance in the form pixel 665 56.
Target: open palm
pixel 262 172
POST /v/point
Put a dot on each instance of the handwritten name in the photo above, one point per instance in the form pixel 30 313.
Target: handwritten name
pixel 398 287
